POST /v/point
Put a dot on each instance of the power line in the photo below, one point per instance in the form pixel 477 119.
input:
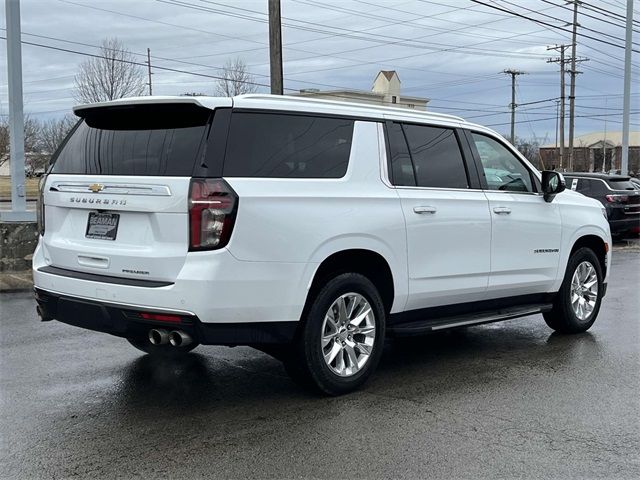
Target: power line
pixel 495 7
pixel 600 19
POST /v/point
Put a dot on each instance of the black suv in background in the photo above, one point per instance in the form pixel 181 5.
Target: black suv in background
pixel 617 193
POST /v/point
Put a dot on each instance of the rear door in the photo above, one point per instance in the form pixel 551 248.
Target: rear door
pixel 526 230
pixel 447 219
pixel 116 199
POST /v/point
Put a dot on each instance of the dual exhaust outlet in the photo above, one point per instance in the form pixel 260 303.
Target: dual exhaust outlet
pixel 176 338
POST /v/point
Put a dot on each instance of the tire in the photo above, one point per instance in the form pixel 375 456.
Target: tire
pixel 160 350
pixel 566 316
pixel 336 324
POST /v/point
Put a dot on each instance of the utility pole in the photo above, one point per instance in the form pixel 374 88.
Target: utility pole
pixel 572 92
pixel 624 166
pixel 18 211
pixel 149 70
pixel 557 120
pixel 514 74
pixel 604 140
pixel 561 60
pixel 275 47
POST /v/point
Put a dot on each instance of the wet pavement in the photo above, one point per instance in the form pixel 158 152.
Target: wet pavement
pixel 502 400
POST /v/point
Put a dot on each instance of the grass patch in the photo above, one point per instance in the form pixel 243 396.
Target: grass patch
pixel 31 186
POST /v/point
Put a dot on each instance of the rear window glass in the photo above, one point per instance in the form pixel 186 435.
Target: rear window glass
pixel 621 185
pixel 287 146
pixel 154 140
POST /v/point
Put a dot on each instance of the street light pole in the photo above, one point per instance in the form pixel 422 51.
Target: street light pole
pixel 18 211
pixel 624 167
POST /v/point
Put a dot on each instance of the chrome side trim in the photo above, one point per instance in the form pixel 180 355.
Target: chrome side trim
pixel 112 188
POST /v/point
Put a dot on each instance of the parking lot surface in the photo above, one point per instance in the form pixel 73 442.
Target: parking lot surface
pixel 502 400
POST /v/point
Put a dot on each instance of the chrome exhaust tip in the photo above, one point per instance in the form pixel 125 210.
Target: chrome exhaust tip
pixel 178 338
pixel 158 336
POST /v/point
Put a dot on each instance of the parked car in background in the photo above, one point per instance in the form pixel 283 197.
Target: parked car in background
pixel 619 194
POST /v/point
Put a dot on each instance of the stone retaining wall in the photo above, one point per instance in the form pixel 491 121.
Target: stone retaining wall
pixel 17 242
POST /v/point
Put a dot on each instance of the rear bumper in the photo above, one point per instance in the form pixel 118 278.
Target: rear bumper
pixel 125 321
pixel 214 286
pixel 623 225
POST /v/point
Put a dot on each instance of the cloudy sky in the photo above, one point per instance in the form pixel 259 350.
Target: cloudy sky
pixel 451 51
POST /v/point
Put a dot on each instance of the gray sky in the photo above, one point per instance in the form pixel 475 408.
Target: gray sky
pixel 451 51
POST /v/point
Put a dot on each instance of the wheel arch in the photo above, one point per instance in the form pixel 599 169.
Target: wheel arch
pixel 367 262
pixel 596 244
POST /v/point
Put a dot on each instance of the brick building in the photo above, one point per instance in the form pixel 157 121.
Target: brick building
pixel 589 151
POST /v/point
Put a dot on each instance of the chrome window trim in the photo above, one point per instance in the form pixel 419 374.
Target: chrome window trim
pixel 445 189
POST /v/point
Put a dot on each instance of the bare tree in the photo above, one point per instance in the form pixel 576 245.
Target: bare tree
pixel 236 79
pixel 530 149
pixel 53 132
pixel 111 75
pixel 4 139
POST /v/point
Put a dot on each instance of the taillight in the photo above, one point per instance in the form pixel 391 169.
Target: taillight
pixel 617 198
pixel 212 213
pixel 40 205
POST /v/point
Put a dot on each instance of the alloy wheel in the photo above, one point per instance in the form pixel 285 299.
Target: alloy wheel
pixel 584 290
pixel 348 334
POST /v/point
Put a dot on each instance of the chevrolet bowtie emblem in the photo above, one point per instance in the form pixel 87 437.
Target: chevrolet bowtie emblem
pixel 96 187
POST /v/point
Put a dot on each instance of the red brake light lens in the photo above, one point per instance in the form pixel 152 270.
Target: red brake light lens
pixel 617 198
pixel 212 213
pixel 159 317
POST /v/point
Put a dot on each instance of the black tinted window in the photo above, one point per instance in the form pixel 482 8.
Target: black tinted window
pixel 401 167
pixel 149 140
pixel 598 187
pixel 584 186
pixel 287 146
pixel 621 185
pixel 436 156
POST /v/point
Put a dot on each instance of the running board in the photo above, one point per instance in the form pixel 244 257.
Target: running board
pixel 431 325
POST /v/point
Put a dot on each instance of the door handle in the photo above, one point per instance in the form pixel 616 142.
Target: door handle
pixel 502 210
pixel 427 209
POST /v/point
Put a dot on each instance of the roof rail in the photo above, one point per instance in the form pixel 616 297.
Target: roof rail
pixel 322 101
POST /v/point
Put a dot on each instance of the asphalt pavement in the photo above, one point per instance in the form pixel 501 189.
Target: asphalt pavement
pixel 509 400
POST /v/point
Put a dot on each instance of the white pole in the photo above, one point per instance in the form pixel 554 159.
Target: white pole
pixel 624 167
pixel 16 115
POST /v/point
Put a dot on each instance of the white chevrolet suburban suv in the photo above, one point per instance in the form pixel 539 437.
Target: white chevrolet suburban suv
pixel 309 229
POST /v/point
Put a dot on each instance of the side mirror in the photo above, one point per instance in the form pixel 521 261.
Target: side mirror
pixel 552 184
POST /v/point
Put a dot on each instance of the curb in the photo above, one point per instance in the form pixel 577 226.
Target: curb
pixel 11 282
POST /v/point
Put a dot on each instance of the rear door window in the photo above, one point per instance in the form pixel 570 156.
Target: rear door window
pixel 149 140
pixel 584 186
pixel 287 146
pixel 436 155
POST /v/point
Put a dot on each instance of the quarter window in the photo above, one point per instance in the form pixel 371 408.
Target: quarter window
pixel 437 160
pixel 401 167
pixel 502 169
pixel 287 146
